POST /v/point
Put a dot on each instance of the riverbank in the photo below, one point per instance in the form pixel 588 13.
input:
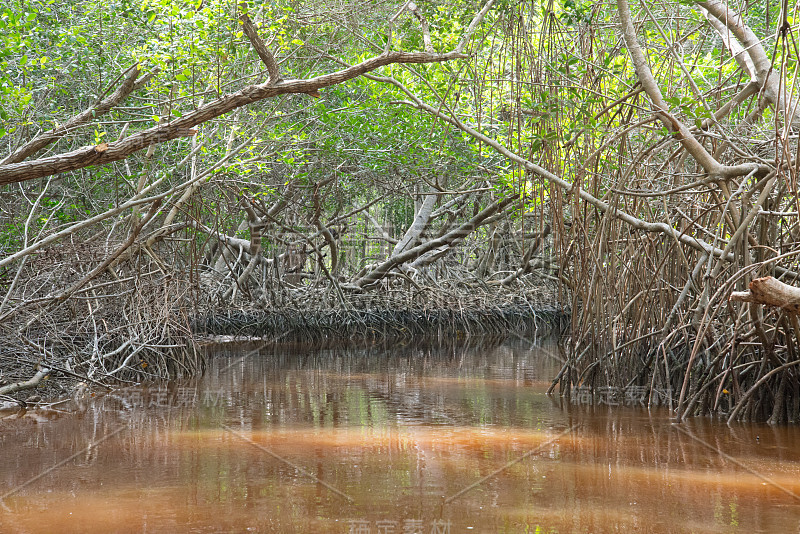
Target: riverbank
pixel 320 326
pixel 49 365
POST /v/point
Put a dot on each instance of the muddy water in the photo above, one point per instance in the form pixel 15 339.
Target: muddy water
pixel 386 441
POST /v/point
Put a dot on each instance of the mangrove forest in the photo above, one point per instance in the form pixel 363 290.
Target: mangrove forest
pixel 623 175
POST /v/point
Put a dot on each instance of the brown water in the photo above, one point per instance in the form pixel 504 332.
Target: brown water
pixel 387 441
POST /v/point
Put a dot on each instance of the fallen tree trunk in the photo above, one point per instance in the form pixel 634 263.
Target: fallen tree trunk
pixel 412 236
pixel 452 237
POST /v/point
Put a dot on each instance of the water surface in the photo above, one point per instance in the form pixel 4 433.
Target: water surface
pixel 387 440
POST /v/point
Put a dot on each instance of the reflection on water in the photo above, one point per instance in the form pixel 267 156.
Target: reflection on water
pixel 387 441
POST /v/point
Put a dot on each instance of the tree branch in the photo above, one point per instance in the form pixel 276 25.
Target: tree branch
pixel 182 127
pixel 101 108
pixel 28 384
pixel 412 235
pixel 767 77
pixel 449 238
pixel 678 129
pixel 770 292
pixel 261 49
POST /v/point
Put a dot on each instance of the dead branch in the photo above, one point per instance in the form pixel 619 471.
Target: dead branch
pixel 451 237
pixel 770 292
pixel 31 383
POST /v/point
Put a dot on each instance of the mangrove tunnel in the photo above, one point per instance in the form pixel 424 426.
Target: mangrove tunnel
pixel 616 181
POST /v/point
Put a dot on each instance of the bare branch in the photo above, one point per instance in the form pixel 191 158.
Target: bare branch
pixel 101 108
pixel 454 236
pixel 261 49
pixel 767 77
pixel 473 26
pixel 678 129
pixel 426 32
pixel 28 384
pixel 770 292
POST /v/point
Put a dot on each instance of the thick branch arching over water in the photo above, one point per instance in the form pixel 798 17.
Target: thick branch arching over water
pixel 184 126
pixel 584 195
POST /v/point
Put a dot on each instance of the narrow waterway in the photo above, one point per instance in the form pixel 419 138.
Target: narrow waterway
pixel 387 440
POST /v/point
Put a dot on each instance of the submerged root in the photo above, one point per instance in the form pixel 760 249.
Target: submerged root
pixel 320 325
